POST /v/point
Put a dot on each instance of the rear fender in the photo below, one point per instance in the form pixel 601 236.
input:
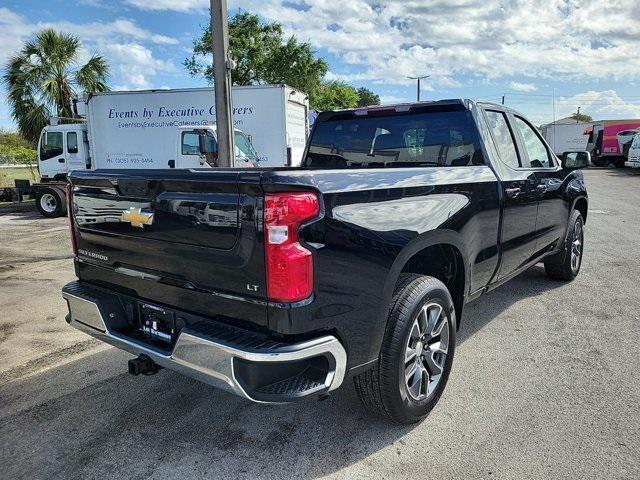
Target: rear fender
pixel 432 238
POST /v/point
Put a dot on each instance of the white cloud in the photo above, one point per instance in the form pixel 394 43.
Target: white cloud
pixel 523 87
pixel 472 39
pixel 13 30
pixel 120 28
pixel 121 41
pixel 603 105
pixel 136 64
pixel 391 99
pixel 175 5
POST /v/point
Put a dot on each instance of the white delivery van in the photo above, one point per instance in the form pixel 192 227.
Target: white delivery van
pixel 160 129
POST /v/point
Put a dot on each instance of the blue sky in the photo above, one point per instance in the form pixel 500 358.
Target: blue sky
pixel 582 52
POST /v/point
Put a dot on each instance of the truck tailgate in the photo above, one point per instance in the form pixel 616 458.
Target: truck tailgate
pixel 185 238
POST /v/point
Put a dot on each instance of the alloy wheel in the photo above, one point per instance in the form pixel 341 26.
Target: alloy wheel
pixel 576 246
pixel 426 351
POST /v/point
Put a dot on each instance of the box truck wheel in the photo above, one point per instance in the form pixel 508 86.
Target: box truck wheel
pixel 49 203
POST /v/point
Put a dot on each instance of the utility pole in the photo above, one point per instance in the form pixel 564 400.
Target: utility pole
pixel 222 65
pixel 418 79
pixel 503 99
pixel 578 116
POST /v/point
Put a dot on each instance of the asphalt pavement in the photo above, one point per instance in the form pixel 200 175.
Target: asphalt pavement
pixel 545 384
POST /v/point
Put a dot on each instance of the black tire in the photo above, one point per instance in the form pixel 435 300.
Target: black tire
pixel 49 203
pixel 384 389
pixel 564 265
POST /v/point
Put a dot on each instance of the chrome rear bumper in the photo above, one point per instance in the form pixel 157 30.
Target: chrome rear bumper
pixel 212 354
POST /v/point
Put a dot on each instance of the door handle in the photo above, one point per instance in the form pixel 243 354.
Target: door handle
pixel 61 160
pixel 512 192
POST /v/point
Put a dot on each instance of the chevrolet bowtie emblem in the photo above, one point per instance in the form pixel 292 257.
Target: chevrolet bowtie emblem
pixel 136 217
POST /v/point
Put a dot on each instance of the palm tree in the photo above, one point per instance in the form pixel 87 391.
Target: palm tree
pixel 44 76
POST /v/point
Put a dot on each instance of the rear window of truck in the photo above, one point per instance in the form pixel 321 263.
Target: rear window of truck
pixel 448 138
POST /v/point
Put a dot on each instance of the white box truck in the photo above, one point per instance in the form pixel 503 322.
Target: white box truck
pixel 566 137
pixel 165 129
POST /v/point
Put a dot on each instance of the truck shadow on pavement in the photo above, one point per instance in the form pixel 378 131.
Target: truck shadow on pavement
pixel 86 419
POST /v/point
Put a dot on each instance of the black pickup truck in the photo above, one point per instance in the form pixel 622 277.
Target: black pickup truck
pixel 278 284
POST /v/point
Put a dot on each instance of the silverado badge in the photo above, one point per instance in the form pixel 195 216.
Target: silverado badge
pixel 136 217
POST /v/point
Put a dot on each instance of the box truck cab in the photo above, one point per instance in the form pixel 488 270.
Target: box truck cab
pixel 61 149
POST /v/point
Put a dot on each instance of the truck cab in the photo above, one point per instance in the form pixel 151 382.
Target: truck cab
pixel 197 147
pixel 61 149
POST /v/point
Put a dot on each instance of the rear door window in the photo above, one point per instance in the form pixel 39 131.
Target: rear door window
pixel 503 138
pixel 438 138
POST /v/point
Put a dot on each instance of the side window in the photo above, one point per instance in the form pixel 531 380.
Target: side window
pixel 536 150
pixel 72 142
pixel 52 147
pixel 503 138
pixel 190 143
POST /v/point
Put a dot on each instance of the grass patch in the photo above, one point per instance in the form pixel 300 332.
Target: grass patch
pixel 8 175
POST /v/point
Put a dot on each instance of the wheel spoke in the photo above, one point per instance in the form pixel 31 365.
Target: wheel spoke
pixel 434 313
pixel 410 372
pixel 422 321
pixel 416 380
pixel 415 333
pixel 439 347
pixel 409 354
pixel 433 366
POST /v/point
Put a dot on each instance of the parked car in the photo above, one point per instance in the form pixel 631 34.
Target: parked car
pixel 356 265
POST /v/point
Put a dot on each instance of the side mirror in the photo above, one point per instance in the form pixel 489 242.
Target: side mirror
pixel 208 150
pixel 575 160
pixel 204 144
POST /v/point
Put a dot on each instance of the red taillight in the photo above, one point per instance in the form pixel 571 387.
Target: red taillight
pixel 72 230
pixel 289 264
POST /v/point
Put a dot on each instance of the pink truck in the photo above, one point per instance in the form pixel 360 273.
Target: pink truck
pixel 609 140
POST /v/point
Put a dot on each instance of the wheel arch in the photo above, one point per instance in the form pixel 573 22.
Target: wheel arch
pixel 440 254
pixel 582 205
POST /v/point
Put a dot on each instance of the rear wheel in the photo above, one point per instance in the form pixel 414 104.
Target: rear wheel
pixel 49 203
pixel 416 353
pixel 565 265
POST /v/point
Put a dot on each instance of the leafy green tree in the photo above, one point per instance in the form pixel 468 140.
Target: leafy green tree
pixel 44 76
pixel 581 117
pixel 262 55
pixel 333 96
pixel 366 97
pixel 14 149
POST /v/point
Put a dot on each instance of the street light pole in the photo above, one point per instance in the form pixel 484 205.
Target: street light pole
pixel 418 78
pixel 222 82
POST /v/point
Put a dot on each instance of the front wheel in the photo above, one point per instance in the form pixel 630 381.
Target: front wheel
pixel 565 265
pixel 416 353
